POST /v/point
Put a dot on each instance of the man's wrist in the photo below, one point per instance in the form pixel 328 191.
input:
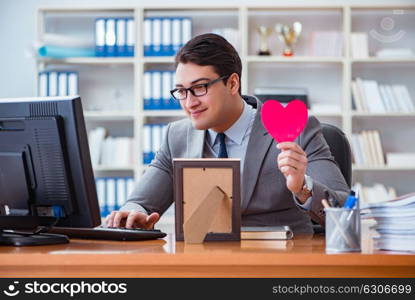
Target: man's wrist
pixel 306 190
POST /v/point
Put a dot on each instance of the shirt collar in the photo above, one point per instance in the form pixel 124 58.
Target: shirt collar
pixel 237 131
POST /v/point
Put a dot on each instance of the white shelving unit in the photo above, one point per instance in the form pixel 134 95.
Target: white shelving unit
pixel 328 79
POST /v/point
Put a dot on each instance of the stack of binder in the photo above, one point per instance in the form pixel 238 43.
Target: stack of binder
pixel 153 135
pixel 114 37
pixel 165 36
pixel 54 83
pixel 157 87
pixel 113 192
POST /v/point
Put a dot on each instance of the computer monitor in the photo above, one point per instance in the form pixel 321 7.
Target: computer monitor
pixel 45 165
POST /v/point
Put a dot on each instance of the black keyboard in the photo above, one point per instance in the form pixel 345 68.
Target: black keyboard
pixel 109 233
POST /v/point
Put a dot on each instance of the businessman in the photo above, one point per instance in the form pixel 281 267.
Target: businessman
pixel 282 183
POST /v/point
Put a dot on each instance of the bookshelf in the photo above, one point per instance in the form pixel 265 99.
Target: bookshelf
pixel 112 87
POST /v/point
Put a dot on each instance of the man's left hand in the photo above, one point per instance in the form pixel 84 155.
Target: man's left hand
pixel 292 162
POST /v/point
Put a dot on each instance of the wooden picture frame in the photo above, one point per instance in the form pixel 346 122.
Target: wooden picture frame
pixel 207 199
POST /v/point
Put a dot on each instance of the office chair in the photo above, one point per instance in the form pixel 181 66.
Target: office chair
pixel 340 149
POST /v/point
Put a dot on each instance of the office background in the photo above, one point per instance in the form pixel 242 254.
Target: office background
pixel 367 92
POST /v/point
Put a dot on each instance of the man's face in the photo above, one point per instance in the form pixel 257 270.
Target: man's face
pixel 208 111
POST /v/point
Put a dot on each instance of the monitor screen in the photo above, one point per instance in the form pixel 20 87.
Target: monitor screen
pixel 45 165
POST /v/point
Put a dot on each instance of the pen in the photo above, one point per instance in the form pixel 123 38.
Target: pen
pixel 350 201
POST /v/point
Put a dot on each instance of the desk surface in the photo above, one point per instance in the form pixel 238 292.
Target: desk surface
pixel 303 256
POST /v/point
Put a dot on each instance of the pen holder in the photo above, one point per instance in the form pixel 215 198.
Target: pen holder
pixel 342 229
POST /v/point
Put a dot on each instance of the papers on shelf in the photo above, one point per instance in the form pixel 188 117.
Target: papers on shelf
pixel 395 52
pixel 367 148
pixel 359 45
pixel 369 195
pixel 370 96
pixel 110 151
pixel 400 159
pixel 326 43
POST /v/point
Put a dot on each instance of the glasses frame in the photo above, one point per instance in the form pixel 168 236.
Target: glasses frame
pixel 205 85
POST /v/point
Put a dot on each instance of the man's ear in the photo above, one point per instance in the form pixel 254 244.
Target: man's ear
pixel 233 82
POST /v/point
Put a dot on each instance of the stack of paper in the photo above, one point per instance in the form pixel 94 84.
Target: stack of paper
pixel 395 223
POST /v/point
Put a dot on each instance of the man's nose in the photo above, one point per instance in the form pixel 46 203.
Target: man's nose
pixel 191 100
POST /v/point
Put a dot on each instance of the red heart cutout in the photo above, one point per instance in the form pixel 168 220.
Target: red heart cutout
pixel 284 124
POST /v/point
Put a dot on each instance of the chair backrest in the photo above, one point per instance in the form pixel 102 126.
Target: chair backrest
pixel 340 149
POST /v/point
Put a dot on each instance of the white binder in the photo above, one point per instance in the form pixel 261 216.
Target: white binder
pixel 156 90
pixel 147 90
pixel 156 37
pixel 73 84
pixel 166 87
pixel 121 39
pixel 63 84
pixel 176 34
pixel 130 36
pixel 186 30
pixel 111 196
pixel 167 46
pixel 100 37
pixel 156 137
pixel 110 36
pixel 147 37
pixel 43 84
pixel 53 83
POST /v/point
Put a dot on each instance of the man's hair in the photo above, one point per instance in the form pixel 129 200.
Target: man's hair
pixel 211 50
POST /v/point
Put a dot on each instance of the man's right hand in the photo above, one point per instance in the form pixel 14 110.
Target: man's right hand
pixel 131 219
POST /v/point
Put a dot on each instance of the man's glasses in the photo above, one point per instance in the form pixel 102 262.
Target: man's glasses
pixel 197 90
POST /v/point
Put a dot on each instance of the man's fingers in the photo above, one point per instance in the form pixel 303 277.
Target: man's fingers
pixel 291 146
pixel 136 219
pixel 151 220
pixel 110 219
pixel 293 155
pixel 119 218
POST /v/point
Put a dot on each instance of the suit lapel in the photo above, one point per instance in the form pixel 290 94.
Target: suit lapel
pixel 258 145
pixel 195 142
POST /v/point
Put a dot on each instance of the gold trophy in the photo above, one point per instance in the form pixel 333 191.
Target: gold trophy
pixel 289 36
pixel 264 33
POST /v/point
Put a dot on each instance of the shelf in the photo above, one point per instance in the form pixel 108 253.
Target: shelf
pixel 112 169
pixel 164 113
pixel 382 168
pixel 158 59
pixel 383 60
pixel 294 59
pixel 381 115
pixel 325 114
pixel 88 60
pixel 108 116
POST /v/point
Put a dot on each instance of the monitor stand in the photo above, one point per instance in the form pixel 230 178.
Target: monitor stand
pixel 11 238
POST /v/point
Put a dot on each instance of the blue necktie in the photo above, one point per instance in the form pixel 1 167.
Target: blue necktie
pixel 222 146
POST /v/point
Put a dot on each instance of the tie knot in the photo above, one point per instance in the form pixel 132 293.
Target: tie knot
pixel 221 136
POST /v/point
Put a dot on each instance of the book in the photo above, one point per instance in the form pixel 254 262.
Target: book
pixel 266 233
pixel 359 45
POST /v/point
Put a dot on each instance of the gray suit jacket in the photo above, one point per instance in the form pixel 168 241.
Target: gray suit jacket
pixel 265 198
